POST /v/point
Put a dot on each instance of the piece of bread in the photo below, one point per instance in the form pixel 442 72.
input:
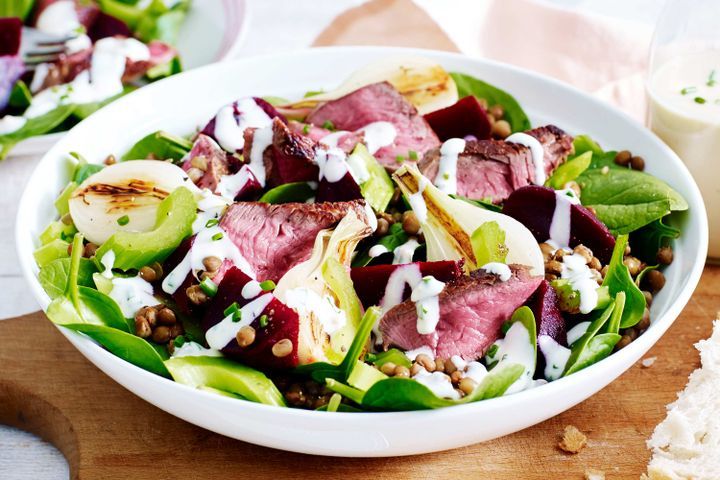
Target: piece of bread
pixel 686 445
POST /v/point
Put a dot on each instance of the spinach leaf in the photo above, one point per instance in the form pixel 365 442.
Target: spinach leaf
pixel 581 354
pixel 569 171
pixel 20 95
pixel 647 240
pixel 600 158
pixel 618 280
pixel 34 127
pixel 338 279
pixel 613 325
pixel 626 200
pixel 160 145
pixel 514 114
pixel 488 244
pixel 395 237
pixel 167 69
pixel 393 355
pixel 125 345
pixel 83 169
pixel 289 192
pixel 54 276
pixel 16 8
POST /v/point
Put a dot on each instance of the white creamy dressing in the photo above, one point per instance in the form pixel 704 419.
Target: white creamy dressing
pixel 427 303
pixel 404 253
pixel 560 224
pixel 684 110
pixel 107 261
pixel 574 334
pixel 358 168
pixel 370 216
pixel 377 250
pixel 424 350
pixel 417 202
pixel 59 18
pixel 229 131
pixel 210 207
pixel 556 357
pixel 219 335
pixel 331 163
pixel 204 246
pixel 476 371
pixel 131 294
pixel 446 179
pixel 536 152
pixel 459 362
pixel 41 73
pixel 103 80
pixel 76 44
pixel 11 123
pixel 194 349
pixel 230 185
pixel 500 269
pixel 439 383
pixel 331 140
pixel 307 302
pixel 377 135
pixel 517 348
pixel 405 275
pixel 251 290
pixel 582 280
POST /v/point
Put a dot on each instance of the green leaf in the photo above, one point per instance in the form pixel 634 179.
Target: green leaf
pixel 158 25
pixel 613 326
pixel 62 202
pixel 600 158
pixel 599 347
pixel 488 244
pixel 395 237
pixel 125 345
pixel 160 145
pixel 34 127
pixel 647 240
pixel 393 355
pixel 84 170
pixel 288 192
pixel 569 171
pixel 579 357
pixel 167 69
pixel 16 8
pixel 50 252
pixel 54 276
pixel 618 280
pixel 514 114
pixel 226 375
pixel 20 95
pixel 626 200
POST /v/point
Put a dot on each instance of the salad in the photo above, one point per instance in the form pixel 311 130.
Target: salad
pixel 113 47
pixel 406 241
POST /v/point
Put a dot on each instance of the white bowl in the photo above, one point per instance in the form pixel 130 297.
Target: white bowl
pixel 184 102
pixel 227 19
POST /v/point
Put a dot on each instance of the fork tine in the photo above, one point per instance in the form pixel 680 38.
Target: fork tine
pixel 48 51
pixel 50 43
pixel 34 61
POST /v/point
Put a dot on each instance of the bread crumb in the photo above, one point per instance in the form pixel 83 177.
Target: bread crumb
pixel 573 440
pixel 648 362
pixel 592 474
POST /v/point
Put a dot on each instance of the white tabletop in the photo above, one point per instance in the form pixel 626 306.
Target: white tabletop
pixel 23 456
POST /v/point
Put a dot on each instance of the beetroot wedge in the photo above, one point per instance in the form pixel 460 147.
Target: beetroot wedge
pixel 276 323
pixel 292 157
pixel 344 190
pixel 370 282
pixel 534 206
pixel 549 320
pixel 465 117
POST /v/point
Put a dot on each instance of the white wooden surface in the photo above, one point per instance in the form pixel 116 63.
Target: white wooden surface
pixel 25 457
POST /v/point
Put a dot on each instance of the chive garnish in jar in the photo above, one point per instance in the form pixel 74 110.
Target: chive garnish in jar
pixel 699 100
pixel 712 81
pixel 687 90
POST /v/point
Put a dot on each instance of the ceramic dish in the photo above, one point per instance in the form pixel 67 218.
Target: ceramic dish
pixel 168 105
pixel 228 18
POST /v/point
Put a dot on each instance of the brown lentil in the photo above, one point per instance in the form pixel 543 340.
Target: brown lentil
pixel 66 219
pixel 584 252
pixel 655 280
pixel 624 341
pixel 158 269
pixel 595 264
pixel 592 210
pixel 501 129
pixel 483 103
pixel 547 251
pixel 201 163
pixel 401 371
pixel 410 223
pixel 467 385
pixel 633 265
pixel 497 111
pixel 644 322
pixel 648 297
pixel 283 348
pixel 148 315
pixel 90 249
pixel 440 365
pixel 491 119
pixel 161 335
pixel 165 316
pixel 456 376
pixel 110 160
pixel 388 368
pixel 142 329
pixel 148 274
pixel 637 163
pixel 196 295
pixel 426 362
pixel 623 158
pixel 450 367
pixel 176 330
pixel 211 264
pixel 382 227
pixel 554 267
pixel 627 250
pixel 604 271
pixel 665 255
pixel 415 369
pixel 397 217
pixel 396 196
pixel 245 336
pixel 194 174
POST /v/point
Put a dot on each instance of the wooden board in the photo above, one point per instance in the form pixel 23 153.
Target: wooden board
pixel 48 388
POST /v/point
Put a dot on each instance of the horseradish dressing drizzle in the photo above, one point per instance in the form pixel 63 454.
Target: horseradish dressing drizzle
pixel 536 152
pixel 446 179
pixel 219 335
pixel 229 130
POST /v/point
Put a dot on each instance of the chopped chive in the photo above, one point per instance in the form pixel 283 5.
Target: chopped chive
pixel 687 90
pixel 211 223
pixel 505 327
pixel 231 309
pixel 412 154
pixel 267 285
pixel 446 176
pixel 699 100
pixel 217 236
pixel 209 287
pixel 328 125
pixel 178 341
pixel 306 128
pixel 334 402
pixel 492 351
pixel 711 82
pixel 424 310
pixel 124 220
pixel 237 316
pixel 263 321
pixel 399 159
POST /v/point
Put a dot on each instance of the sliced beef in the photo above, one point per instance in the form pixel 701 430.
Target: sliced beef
pixel 494 168
pixel 106 25
pixel 290 159
pixel 205 151
pixel 374 103
pixel 275 238
pixel 472 311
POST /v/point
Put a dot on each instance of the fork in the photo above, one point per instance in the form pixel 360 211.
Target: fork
pixel 37 47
